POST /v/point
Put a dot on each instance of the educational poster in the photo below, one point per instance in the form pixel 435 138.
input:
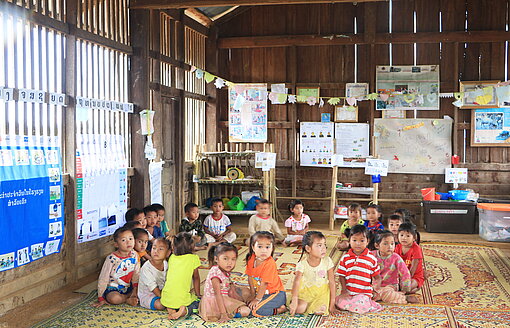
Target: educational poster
pixel 414 145
pixel 31 199
pixel 317 145
pixel 490 127
pixel 247 119
pixel 352 139
pixel 456 175
pixel 101 185
pixel 411 87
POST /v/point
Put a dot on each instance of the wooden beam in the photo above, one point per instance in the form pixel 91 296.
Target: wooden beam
pixel 270 125
pixel 198 16
pixel 175 92
pixel 349 39
pixel 175 4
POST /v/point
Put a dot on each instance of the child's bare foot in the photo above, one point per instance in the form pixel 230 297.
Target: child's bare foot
pixel 281 309
pixel 174 315
pixel 200 248
pixel 133 301
pixel 412 299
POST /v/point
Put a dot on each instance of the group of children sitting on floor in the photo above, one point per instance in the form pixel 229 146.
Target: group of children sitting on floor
pixel 379 265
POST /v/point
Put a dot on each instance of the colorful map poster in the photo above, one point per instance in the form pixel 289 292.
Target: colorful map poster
pixel 101 184
pixel 31 199
pixel 316 144
pixel 247 119
pixel 414 145
pixel 411 87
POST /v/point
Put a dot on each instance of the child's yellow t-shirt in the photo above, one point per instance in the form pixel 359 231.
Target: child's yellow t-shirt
pixel 176 292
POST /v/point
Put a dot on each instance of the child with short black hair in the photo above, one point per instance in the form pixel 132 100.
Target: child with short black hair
pixel 133 214
pixel 160 210
pixel 263 221
pixel 411 253
pixel 191 223
pixel 151 215
pixel 296 224
pixel 359 275
pixel 118 280
pixel 394 222
pixel 153 275
pixel 374 217
pixel 354 214
pixel 133 225
pixel 217 226
pixel 182 271
pixel 141 241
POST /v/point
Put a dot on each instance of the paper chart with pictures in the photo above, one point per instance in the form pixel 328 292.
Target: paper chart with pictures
pixel 101 171
pixel 247 119
pixel 491 126
pixel 30 181
pixel 412 87
pixel 316 144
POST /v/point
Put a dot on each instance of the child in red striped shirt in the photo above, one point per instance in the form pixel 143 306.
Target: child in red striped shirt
pixel 358 271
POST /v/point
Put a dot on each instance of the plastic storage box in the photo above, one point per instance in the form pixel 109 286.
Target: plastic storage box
pixel 449 217
pixel 494 221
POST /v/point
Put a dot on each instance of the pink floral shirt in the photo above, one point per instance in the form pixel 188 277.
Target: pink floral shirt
pixel 394 271
pixel 215 272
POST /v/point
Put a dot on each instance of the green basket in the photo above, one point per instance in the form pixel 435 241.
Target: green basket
pixel 236 204
pixel 225 203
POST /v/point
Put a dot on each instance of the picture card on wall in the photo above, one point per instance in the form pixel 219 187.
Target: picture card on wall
pixel 456 175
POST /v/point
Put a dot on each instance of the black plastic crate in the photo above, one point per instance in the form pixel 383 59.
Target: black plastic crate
pixel 449 216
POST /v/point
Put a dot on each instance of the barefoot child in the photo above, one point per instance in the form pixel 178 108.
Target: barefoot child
pixel 182 270
pixel 354 213
pixel 118 280
pixel 296 224
pixel 267 292
pixel 222 300
pixel 411 253
pixel 314 288
pixel 217 226
pixel 153 275
pixel 395 277
pixel 192 224
pixel 263 221
pixel 359 274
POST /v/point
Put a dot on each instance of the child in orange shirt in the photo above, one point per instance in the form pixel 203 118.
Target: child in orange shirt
pixel 268 294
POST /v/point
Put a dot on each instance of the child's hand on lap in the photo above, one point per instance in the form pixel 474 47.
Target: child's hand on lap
pixel 253 304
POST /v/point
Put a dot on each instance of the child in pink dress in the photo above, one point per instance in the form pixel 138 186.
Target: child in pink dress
pixel 395 276
pixel 296 224
pixel 222 300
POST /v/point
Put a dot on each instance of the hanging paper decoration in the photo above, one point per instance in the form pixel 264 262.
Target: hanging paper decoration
pixel 301 99
pixel 282 98
pixel 420 100
pixel 458 103
pixel 311 101
pixel 193 68
pixel 273 96
pixel 372 96
pixel 333 101
pixel 458 95
pixel 384 96
pixel 199 73
pixel 219 83
pixel 292 99
pixel 408 98
pixel 321 103
pixel 351 101
pixel 208 77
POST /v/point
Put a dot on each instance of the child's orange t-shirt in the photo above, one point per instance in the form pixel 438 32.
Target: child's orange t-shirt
pixel 266 272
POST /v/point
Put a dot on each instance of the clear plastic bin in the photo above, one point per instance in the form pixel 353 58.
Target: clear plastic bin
pixel 494 221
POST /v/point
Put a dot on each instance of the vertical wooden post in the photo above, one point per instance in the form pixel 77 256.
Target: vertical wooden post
pixel 69 248
pixel 266 179
pixel 332 205
pixel 196 175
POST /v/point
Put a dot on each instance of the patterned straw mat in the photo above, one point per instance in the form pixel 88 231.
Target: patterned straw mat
pixel 468 286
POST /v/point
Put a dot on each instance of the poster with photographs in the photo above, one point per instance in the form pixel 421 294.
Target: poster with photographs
pixel 101 170
pixel 30 182
pixel 490 127
pixel 247 113
pixel 411 87
pixel 316 144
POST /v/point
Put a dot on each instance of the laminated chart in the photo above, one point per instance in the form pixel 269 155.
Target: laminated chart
pixel 31 199
pixel 101 185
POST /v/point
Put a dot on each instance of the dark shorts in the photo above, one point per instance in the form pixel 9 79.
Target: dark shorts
pixel 122 291
pixel 192 308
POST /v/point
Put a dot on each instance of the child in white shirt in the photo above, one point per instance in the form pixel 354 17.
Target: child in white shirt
pixel 217 226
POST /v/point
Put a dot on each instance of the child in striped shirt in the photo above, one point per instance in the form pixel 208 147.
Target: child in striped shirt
pixel 359 275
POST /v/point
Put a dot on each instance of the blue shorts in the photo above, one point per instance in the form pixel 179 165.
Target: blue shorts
pixel 122 291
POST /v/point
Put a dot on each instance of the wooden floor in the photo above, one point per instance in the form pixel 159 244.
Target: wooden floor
pixel 45 306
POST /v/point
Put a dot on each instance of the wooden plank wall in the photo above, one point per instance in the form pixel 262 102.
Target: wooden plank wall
pixel 330 67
